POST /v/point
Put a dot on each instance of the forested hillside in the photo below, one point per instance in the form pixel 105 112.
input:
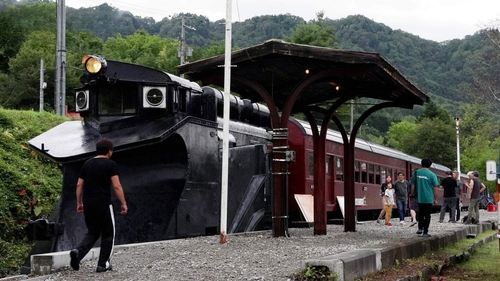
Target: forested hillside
pixel 445 70
pixel 461 76
pixel 454 73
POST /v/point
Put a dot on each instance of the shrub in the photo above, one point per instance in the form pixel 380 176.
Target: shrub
pixel 29 185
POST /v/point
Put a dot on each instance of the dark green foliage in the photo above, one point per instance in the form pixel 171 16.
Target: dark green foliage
pixel 144 49
pixel 315 273
pixel 11 256
pixel 315 33
pixel 17 21
pixel 432 111
pixel 259 29
pixel 106 21
pixel 204 34
pixel 29 185
pixel 435 139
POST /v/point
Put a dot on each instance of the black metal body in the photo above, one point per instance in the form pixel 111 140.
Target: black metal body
pixel 169 157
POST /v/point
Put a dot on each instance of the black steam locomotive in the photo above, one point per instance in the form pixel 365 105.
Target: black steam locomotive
pixel 167 136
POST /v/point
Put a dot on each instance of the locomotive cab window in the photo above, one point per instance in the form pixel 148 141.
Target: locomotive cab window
pixel 117 99
pixel 184 98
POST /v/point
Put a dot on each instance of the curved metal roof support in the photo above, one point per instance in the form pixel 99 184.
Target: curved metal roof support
pixel 319 144
pixel 290 101
pixel 264 94
pixel 279 162
pixel 349 192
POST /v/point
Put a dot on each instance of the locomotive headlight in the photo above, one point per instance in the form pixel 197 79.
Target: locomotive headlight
pixel 94 64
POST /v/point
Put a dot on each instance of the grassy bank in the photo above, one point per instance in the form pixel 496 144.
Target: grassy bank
pixel 29 184
pixel 483 265
pixel 434 260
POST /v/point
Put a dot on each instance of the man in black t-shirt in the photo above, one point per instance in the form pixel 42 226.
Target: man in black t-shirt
pixel 93 199
pixel 449 185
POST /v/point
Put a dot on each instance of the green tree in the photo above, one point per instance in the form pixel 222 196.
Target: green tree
pixel 22 91
pixel 315 33
pixel 435 139
pixel 19 20
pixel 21 88
pixel 433 111
pixel 142 48
pixel 214 49
pixel 402 135
pixel 11 38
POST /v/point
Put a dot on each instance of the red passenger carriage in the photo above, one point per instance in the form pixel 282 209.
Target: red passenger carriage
pixel 373 163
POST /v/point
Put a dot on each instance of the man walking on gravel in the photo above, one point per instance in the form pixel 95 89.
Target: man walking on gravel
pixel 424 181
pixel 93 199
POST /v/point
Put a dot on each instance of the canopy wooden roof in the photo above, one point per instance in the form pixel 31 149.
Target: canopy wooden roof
pixel 290 78
pixel 280 67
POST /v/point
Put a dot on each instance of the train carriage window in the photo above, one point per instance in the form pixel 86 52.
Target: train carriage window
pixel 339 169
pixel 120 99
pixel 310 164
pixel 364 172
pixel 371 177
pixel 356 171
pixel 377 175
pixel 383 174
pixel 329 165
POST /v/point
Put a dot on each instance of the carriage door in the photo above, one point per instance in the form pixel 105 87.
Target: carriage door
pixel 329 184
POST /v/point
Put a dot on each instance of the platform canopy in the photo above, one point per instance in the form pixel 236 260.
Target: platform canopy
pixel 291 78
pixel 280 66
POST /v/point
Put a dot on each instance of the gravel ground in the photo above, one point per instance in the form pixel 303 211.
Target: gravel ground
pixel 255 256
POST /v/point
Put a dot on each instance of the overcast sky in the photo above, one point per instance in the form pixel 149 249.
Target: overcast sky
pixel 437 20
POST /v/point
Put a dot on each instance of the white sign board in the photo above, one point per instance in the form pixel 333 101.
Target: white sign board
pixel 491 170
pixel 306 205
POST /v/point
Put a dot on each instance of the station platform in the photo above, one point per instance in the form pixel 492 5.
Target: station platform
pixel 259 256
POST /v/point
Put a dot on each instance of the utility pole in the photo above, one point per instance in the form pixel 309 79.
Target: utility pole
pixel 60 83
pixel 42 84
pixel 184 51
pixel 225 125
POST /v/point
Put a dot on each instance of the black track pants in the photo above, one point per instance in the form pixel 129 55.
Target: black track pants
pixel 100 222
pixel 424 216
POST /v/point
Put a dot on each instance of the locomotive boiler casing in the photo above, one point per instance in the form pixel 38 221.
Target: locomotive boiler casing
pixel 170 165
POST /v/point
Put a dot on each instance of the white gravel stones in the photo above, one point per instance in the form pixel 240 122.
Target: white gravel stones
pixel 255 256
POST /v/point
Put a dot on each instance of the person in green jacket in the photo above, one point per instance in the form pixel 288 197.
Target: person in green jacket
pixel 424 181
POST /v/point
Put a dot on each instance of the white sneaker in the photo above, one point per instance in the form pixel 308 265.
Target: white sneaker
pixel 402 222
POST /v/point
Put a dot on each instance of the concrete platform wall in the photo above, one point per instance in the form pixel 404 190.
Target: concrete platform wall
pixel 358 263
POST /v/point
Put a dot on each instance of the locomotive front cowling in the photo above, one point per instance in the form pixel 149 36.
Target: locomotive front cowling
pixel 166 135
